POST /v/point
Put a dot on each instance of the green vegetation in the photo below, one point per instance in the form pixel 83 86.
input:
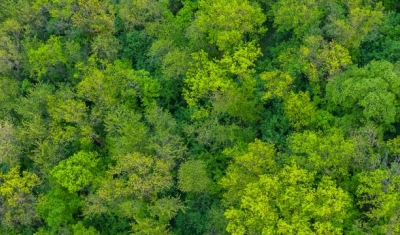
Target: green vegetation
pixel 184 117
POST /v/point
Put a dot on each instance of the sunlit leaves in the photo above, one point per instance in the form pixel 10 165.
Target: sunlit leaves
pixel 370 93
pixel 287 203
pixel 16 198
pixel 302 16
pixel 58 206
pixel 378 193
pixel 322 60
pixel 227 84
pixel 45 57
pixel 226 23
pixel 330 153
pixel 351 30
pixel 299 109
pixel 136 175
pixel 77 171
pixel 259 158
pixel 277 84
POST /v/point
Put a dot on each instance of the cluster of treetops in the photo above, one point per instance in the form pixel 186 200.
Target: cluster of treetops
pixel 158 117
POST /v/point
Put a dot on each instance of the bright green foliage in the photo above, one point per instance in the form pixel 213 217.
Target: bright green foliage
pixel 303 17
pixel 378 191
pixel 136 175
pixel 212 82
pixel 188 117
pixel 300 110
pixel 118 83
pixel 149 226
pixel 193 177
pixel 259 158
pixel 58 207
pixel 277 84
pixel 367 94
pixel 352 29
pixel 164 209
pixel 89 17
pixel 77 171
pixel 227 22
pixel 287 203
pixel 329 153
pixel 79 229
pixel 46 57
pixel 106 46
pixel 175 63
pixel 212 134
pixel 323 60
pixel 154 217
pixel 65 109
pixel 69 119
pixel 59 9
pixel 16 198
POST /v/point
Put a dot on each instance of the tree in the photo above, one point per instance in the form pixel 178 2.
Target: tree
pixel 300 110
pixel 287 203
pixel 303 17
pixel 329 153
pixel 322 60
pixel 140 13
pixel 77 171
pixel 165 140
pixel 352 29
pixel 18 203
pixel 226 84
pixel 193 177
pixel 366 94
pixel 58 207
pixel 106 84
pixel 378 197
pixel 277 84
pixel 248 164
pixel 80 229
pixel 47 60
pixel 227 23
pixel 9 146
pixel 10 47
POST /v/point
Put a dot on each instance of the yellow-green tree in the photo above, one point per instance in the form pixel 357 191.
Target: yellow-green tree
pixel 18 203
pixel 288 203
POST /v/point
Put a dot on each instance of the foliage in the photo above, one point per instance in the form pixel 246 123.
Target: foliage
pixel 76 172
pixel 199 117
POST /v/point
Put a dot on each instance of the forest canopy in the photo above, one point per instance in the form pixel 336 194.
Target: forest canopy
pixel 184 117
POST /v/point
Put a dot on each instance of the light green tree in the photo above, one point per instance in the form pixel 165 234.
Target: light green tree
pixel 378 196
pixel 288 203
pixel 227 23
pixel 302 17
pixel 248 164
pixel 77 171
pixel 329 153
pixel 18 203
pixel 367 94
pixel 227 84
pixel 300 110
